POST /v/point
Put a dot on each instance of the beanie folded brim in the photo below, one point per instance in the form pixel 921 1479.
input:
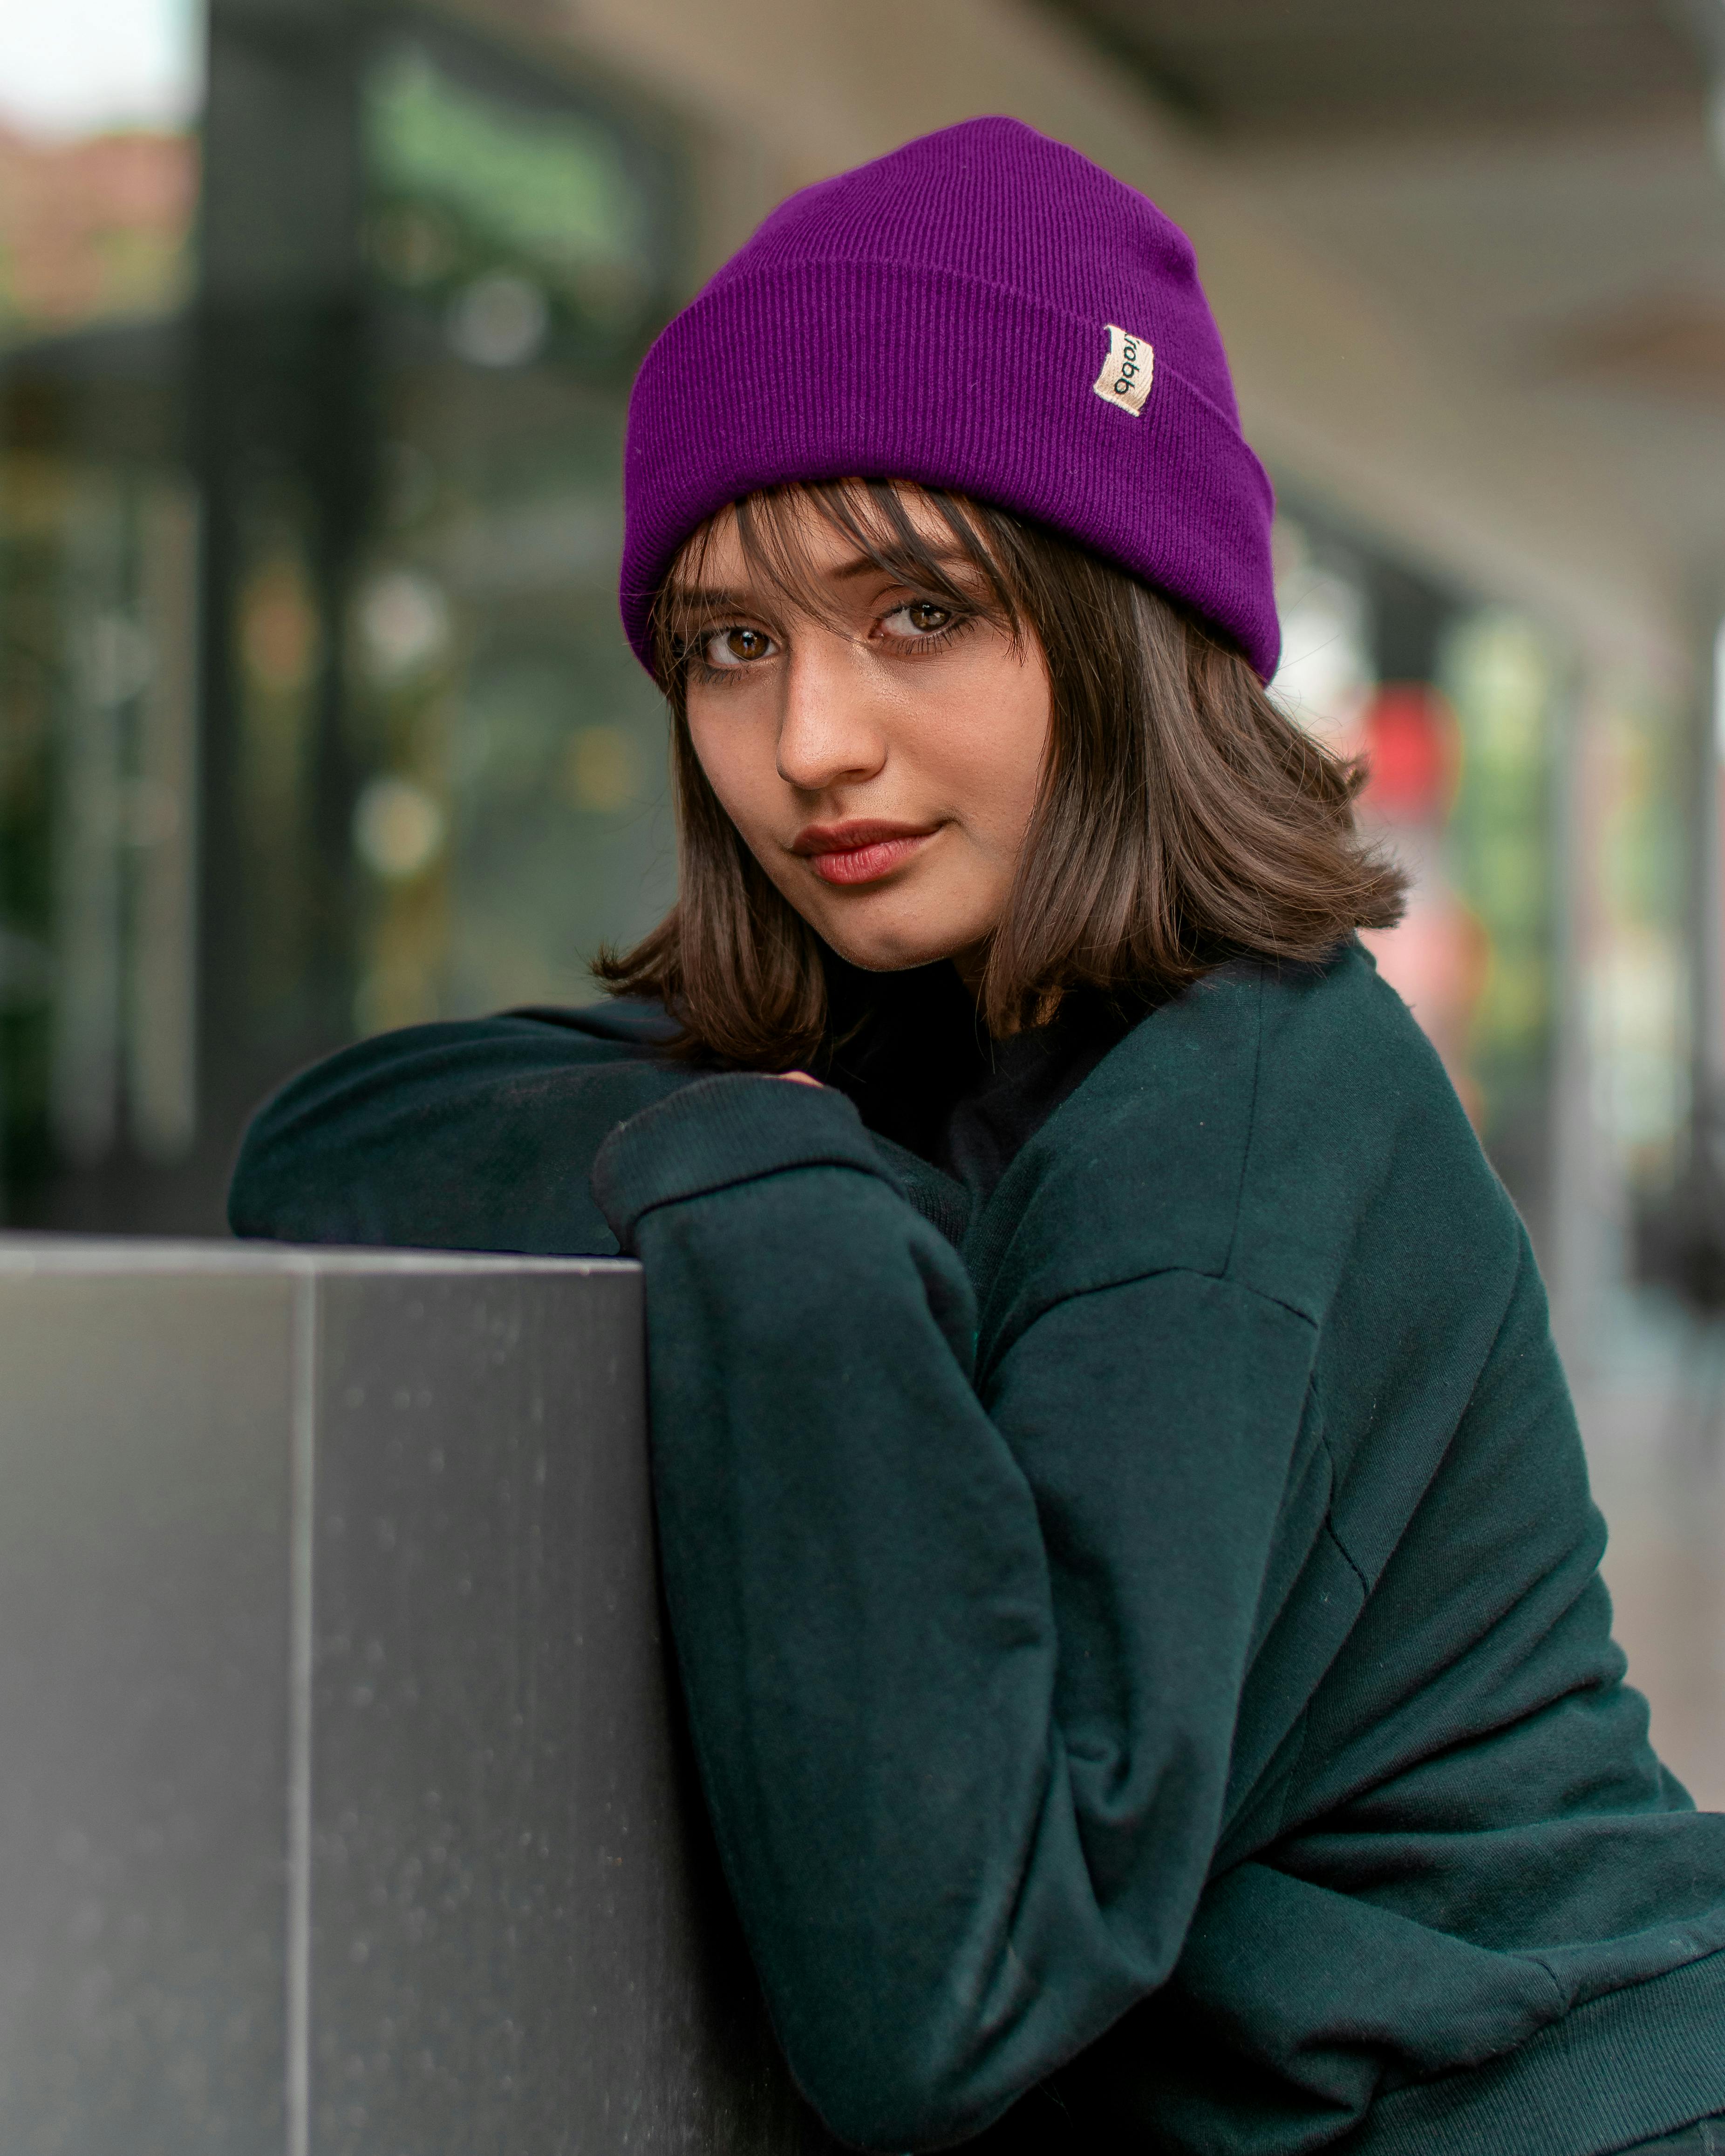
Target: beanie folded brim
pixel 838 369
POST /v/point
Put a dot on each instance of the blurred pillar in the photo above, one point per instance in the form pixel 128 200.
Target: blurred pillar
pixel 280 447
pixel 1707 869
pixel 1578 1255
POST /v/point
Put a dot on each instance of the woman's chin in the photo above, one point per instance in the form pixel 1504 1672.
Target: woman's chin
pixel 886 952
pixel 907 919
pixel 873 961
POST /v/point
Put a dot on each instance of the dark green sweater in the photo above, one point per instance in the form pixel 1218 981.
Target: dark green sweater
pixel 1142 1633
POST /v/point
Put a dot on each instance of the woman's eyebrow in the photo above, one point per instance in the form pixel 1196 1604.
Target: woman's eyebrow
pixel 712 599
pixel 707 599
pixel 860 565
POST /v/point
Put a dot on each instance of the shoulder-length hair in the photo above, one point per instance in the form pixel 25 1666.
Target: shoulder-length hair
pixel 1182 819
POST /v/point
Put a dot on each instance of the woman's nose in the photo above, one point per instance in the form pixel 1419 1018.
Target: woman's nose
pixel 829 726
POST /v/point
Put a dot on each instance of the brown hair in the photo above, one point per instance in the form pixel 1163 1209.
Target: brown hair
pixel 1181 821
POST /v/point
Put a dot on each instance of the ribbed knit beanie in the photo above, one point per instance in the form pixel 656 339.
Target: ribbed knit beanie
pixel 982 311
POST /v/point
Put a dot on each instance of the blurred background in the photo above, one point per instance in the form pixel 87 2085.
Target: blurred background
pixel 317 319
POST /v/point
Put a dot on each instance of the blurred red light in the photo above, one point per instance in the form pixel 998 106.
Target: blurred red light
pixel 1413 751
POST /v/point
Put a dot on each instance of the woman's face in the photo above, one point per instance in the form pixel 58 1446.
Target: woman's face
pixel 882 765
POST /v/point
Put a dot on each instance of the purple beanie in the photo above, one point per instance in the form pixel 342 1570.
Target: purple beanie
pixel 982 311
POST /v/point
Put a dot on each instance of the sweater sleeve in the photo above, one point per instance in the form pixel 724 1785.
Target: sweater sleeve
pixel 962 1665
pixel 477 1136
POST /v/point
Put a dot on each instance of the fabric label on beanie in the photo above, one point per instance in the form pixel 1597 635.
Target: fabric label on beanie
pixel 1125 378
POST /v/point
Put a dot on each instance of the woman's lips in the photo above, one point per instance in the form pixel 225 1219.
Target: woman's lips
pixel 858 852
pixel 866 864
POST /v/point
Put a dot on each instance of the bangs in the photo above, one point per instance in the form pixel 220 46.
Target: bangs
pixel 777 532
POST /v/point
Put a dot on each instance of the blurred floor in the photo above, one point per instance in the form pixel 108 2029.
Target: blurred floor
pixel 1654 1421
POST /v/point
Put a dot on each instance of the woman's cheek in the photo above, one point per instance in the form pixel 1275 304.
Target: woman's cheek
pixel 739 770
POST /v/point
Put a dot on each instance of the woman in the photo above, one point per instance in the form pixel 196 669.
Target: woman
pixel 1125 1531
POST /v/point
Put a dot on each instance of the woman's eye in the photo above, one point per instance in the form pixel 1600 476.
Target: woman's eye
pixel 737 647
pixel 921 617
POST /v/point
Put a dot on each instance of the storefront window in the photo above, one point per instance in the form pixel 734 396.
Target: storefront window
pixel 315 713
pixel 99 103
pixel 512 812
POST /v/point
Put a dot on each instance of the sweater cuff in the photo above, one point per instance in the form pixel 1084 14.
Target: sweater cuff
pixel 733 1128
